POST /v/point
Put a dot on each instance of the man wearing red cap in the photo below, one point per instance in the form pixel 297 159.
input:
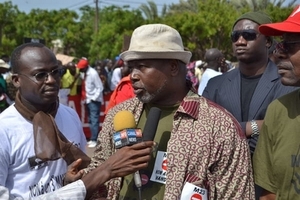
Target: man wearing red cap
pixel 91 94
pixel 277 155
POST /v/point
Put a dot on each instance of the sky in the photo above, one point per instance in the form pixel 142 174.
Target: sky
pixel 27 5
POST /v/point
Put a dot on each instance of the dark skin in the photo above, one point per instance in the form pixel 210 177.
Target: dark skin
pixel 126 160
pixel 37 95
pixel 158 81
pixel 252 56
pixel 288 63
pixel 215 59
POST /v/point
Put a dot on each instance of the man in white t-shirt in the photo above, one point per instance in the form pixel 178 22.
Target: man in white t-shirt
pixel 40 137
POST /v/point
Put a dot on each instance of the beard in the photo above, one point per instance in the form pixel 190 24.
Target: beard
pixel 148 97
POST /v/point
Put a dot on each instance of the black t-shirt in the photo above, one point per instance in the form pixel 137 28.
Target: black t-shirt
pixel 248 85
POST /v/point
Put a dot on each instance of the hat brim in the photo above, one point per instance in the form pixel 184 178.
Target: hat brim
pixel 278 29
pixel 184 56
pixel 5 66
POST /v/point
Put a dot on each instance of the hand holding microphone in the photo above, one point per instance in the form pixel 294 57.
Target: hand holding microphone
pixel 127 134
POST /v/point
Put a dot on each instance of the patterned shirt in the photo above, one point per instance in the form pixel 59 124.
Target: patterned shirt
pixel 206 148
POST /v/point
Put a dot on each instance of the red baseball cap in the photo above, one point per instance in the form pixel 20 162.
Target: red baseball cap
pixel 290 25
pixel 83 63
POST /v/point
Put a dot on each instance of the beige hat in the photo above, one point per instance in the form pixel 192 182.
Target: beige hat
pixel 3 64
pixel 156 41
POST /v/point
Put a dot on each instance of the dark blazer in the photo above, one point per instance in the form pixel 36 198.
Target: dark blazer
pixel 225 91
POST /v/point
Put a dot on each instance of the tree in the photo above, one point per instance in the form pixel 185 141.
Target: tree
pixel 151 12
pixel 115 23
pixel 256 5
pixel 8 13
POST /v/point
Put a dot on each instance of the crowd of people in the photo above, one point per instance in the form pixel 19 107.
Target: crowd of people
pixel 222 133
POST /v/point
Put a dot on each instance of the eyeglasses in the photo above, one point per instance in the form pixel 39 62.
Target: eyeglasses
pixel 248 35
pixel 43 76
pixel 285 46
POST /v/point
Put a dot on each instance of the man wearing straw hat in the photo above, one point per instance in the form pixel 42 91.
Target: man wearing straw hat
pixel 201 151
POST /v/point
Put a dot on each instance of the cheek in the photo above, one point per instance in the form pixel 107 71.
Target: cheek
pixel 295 60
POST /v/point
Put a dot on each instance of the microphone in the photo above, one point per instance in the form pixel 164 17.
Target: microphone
pixel 126 131
pixel 127 134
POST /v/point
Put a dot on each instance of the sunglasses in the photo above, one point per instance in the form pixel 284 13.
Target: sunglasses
pixel 248 35
pixel 285 46
pixel 43 76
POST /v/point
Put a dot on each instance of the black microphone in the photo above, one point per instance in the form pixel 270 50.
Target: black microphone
pixel 127 134
pixel 148 135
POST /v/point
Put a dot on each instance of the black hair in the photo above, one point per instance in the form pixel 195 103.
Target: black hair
pixel 16 54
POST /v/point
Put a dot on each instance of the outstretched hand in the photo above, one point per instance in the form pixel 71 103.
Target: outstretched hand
pixel 130 159
pixel 73 174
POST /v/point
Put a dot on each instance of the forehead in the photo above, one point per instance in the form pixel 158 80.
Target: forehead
pixel 245 24
pixel 148 62
pixel 35 57
pixel 291 36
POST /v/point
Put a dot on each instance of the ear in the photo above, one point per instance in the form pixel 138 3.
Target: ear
pixel 16 80
pixel 269 41
pixel 174 64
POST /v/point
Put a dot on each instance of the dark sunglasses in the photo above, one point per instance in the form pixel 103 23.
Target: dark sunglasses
pixel 285 46
pixel 248 35
pixel 43 76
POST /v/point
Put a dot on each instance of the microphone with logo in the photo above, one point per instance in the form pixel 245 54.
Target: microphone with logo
pixel 127 133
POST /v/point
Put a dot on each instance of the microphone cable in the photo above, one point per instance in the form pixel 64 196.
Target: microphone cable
pixel 138 183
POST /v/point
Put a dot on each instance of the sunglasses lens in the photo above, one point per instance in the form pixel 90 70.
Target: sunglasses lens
pixel 235 36
pixel 41 76
pixel 248 35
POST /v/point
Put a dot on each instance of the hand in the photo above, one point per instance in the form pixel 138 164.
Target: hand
pixel 125 161
pixel 130 159
pixel 73 174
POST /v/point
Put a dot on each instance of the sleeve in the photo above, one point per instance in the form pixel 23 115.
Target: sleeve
pixel 4 157
pixel 262 159
pixel 74 191
pixel 231 175
pixel 103 151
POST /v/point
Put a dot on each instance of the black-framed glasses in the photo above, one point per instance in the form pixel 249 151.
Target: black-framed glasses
pixel 285 46
pixel 43 76
pixel 248 35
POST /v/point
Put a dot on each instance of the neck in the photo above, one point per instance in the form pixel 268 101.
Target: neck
pixel 253 69
pixel 36 107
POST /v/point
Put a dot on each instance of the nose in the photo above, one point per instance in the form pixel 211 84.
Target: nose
pixel 280 55
pixel 50 77
pixel 134 75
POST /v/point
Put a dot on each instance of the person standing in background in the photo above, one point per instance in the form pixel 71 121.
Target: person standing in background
pixel 247 90
pixel 215 61
pixel 92 97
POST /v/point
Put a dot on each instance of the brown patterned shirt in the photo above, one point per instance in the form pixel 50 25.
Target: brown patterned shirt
pixel 207 148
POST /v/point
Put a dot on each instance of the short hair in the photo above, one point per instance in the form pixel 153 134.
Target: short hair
pixel 16 54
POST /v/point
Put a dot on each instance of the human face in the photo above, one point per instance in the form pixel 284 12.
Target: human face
pixel 36 92
pixel 288 59
pixel 149 79
pixel 248 49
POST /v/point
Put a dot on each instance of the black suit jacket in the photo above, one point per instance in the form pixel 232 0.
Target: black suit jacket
pixel 225 91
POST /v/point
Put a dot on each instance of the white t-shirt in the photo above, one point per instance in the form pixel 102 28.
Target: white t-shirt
pixel 17 146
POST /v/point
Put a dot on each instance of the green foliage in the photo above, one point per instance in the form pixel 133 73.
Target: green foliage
pixel 114 24
pixel 202 24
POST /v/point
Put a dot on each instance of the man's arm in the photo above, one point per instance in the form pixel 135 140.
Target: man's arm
pixel 125 161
